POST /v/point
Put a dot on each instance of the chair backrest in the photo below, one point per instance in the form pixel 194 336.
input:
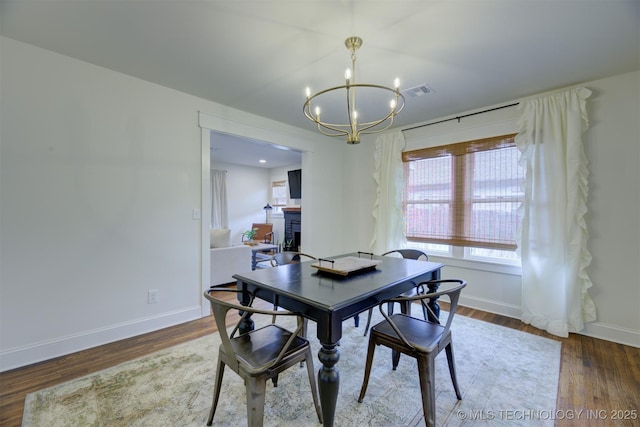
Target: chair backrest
pixel 264 233
pixel 452 292
pixel 288 257
pixel 409 254
pixel 221 307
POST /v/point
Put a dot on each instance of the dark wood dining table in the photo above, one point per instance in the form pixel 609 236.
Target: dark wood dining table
pixel 329 299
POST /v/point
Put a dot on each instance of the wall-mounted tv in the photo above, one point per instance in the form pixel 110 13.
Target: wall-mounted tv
pixel 295 184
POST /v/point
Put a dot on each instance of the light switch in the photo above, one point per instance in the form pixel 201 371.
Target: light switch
pixel 196 213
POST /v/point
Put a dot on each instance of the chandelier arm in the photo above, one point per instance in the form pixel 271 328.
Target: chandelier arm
pixel 339 132
pixel 306 108
pixel 366 126
pixel 338 127
pixel 331 126
pixel 349 111
pixel 322 92
pixel 365 131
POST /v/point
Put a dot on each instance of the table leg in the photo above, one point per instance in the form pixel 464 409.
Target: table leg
pixel 433 302
pixel 328 382
pixel 247 325
pixel 254 263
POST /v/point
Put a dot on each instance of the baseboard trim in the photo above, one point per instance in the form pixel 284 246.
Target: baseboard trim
pixel 491 306
pixel 45 350
pixel 597 330
pixel 612 333
pixel 49 349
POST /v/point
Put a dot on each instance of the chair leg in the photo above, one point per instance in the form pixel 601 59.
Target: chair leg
pixel 426 373
pixel 405 308
pixel 367 367
pixel 425 314
pixel 305 325
pixel 275 308
pixel 356 320
pixel 369 316
pixel 216 390
pixel 452 369
pixel 312 382
pixel 395 359
pixel 255 391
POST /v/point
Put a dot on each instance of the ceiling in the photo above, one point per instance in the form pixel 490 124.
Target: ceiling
pixel 258 56
pixel 232 149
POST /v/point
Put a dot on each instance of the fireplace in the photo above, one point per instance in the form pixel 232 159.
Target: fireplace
pixel 292 228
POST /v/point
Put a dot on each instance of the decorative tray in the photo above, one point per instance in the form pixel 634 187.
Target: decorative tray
pixel 346 265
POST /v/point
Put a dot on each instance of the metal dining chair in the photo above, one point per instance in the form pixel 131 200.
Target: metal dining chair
pixel 290 257
pixel 258 355
pixel 420 339
pixel 407 254
pixel 287 257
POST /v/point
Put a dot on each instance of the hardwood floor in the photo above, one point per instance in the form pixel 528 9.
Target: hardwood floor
pixel 599 378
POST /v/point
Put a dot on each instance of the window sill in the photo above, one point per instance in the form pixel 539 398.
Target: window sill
pixel 514 270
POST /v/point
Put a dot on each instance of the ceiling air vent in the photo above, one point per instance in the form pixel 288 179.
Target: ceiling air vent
pixel 420 90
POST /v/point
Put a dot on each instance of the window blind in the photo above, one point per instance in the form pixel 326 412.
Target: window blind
pixel 278 195
pixel 464 194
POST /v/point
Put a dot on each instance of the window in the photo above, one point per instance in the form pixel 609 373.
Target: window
pixel 278 196
pixel 465 194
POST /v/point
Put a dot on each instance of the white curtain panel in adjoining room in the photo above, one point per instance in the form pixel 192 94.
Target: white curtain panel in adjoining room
pixel 219 206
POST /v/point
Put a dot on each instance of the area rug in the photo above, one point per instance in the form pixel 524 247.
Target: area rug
pixel 506 377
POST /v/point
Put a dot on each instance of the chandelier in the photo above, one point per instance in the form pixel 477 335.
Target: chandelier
pixel 351 127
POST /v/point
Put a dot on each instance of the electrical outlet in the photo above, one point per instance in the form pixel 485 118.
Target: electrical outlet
pixel 152 296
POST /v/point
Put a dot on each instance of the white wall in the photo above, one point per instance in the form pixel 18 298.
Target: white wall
pixel 612 145
pixel 248 190
pixel 99 175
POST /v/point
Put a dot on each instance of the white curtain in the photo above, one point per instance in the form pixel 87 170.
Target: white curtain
pixel 219 207
pixel 389 228
pixel 553 239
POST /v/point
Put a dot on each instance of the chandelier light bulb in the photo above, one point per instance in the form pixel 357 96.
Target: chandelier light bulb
pixel 396 83
pixel 318 112
pixel 347 74
pixel 393 104
pixel 308 92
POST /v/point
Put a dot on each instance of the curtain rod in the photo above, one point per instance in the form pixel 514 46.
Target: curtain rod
pixel 461 117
